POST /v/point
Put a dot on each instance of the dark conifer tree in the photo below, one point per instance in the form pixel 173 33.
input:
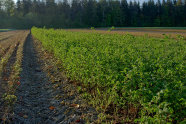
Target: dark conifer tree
pixel 88 13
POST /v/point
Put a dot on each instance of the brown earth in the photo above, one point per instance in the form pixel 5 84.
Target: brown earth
pixel 44 94
pixel 159 33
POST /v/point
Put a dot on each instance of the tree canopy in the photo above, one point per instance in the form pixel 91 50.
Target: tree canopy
pixel 91 13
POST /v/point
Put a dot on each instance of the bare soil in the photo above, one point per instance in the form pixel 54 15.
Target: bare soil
pixel 5 78
pixel 159 33
pixel 43 99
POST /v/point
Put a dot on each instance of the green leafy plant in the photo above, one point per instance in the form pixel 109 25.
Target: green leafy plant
pixel 92 28
pixel 9 99
pixel 141 75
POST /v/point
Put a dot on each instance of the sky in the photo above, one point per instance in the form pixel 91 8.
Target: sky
pixel 128 0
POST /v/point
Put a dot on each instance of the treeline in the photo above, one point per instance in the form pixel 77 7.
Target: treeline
pixel 91 13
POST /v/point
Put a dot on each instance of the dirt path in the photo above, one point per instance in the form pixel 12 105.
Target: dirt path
pixel 37 103
pixel 33 86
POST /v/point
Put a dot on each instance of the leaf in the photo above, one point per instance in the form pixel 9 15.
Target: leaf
pixel 51 107
pixel 77 121
pixel 74 105
pixel 18 83
pixel 5 79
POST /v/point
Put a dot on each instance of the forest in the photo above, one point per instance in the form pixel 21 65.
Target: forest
pixel 91 13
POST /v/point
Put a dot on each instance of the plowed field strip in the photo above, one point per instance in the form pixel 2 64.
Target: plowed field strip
pixel 5 77
pixel 6 70
pixel 4 52
pixel 6 43
pixel 157 34
pixel 10 70
pixel 5 38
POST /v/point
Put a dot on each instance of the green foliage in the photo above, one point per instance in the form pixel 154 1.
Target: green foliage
pixel 125 70
pixel 112 28
pixel 9 99
pixel 92 28
pixel 180 37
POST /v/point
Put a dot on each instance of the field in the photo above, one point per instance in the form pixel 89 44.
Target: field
pixel 140 78
pixel 11 47
pixel 151 32
pixel 93 76
pixel 32 89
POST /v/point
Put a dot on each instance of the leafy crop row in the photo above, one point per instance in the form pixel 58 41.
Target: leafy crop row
pixel 5 58
pixel 146 74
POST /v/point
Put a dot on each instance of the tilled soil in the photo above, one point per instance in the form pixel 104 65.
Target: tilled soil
pixel 5 38
pixel 37 98
pixel 4 52
pixel 138 32
pixel 4 79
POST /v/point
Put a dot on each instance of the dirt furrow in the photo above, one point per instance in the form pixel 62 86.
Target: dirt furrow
pixel 6 38
pixel 34 94
pixel 37 102
pixel 31 104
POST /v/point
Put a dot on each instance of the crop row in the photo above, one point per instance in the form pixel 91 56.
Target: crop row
pixel 5 70
pixel 16 69
pixel 6 35
pixel 6 57
pixel 11 60
pixel 6 43
pixel 143 77
pixel 9 46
